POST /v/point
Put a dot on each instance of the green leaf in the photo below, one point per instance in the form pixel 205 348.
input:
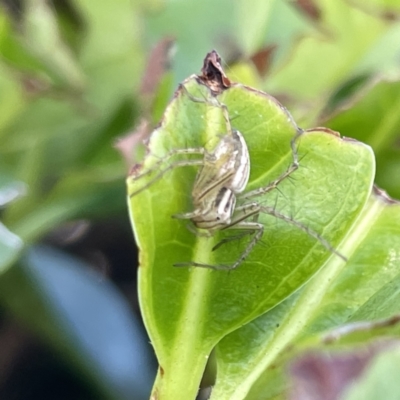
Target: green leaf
pixel 243 357
pixel 244 29
pixel 42 38
pixel 339 51
pixel 62 147
pixel 364 289
pixel 375 120
pixel 383 304
pixel 379 380
pixel 10 247
pixel 188 311
pixel 11 99
pixel 193 39
pixel 347 23
pixel 382 8
pixel 269 23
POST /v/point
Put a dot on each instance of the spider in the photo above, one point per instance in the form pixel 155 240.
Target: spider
pixel 221 180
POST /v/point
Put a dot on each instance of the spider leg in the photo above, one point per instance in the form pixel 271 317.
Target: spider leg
pixel 172 153
pixel 232 238
pixel 271 211
pixel 176 164
pixel 273 185
pixel 255 227
pixel 237 223
pixel 238 236
pixel 188 215
pixel 212 101
pixel 254 208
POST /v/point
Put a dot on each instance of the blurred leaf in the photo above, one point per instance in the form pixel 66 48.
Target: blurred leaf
pixel 344 25
pixel 375 120
pixel 330 57
pixel 345 95
pixel 10 189
pixel 175 19
pixel 15 53
pixel 383 8
pixel 71 24
pixel 245 73
pixel 76 196
pixel 83 317
pixel 42 38
pixel 11 99
pixel 254 21
pixel 380 380
pixel 264 23
pixel 62 146
pixel 162 97
pixel 10 247
pixel 381 63
pixel 204 305
pixel 383 304
pixel 329 375
pixel 382 59
pixel 232 27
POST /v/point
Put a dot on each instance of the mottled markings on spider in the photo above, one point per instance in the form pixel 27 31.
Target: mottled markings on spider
pixel 220 181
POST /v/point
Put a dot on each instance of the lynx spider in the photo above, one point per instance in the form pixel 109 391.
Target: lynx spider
pixel 221 180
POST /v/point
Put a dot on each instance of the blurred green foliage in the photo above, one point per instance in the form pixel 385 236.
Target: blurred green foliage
pixel 75 75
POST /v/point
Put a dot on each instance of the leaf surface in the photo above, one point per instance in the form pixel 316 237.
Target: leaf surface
pixel 188 311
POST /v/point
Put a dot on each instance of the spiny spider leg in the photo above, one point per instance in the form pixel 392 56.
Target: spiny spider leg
pixel 162 160
pixel 238 223
pixel 238 236
pixel 213 100
pixel 188 215
pixel 273 185
pixel 256 208
pixel 255 227
pixel 182 163
pixel 232 239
